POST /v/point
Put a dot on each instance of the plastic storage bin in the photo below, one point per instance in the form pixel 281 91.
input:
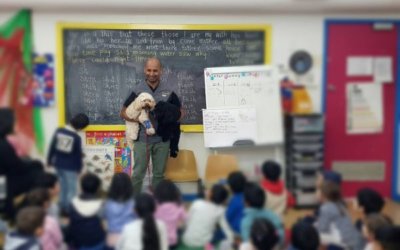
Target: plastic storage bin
pixel 304 156
pixel 312 165
pixel 304 179
pixel 306 198
pixel 308 124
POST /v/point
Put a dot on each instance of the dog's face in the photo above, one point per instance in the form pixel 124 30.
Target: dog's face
pixel 146 101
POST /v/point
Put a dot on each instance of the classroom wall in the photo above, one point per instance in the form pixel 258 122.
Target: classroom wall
pixel 290 32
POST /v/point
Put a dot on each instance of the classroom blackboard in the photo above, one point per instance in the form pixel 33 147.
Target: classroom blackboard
pixel 100 64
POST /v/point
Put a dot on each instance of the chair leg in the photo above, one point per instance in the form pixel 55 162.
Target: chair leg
pixel 200 189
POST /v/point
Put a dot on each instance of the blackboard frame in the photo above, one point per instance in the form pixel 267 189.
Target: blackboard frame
pixel 61 100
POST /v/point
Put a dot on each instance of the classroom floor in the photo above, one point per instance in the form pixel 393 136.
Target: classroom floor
pixel 392 209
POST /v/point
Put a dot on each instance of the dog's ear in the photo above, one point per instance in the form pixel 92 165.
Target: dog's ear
pixel 138 104
pixel 153 103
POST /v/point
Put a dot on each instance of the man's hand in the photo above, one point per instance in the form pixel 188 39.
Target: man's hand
pixel 124 116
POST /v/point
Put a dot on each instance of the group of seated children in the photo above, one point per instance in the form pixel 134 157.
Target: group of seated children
pixel 242 215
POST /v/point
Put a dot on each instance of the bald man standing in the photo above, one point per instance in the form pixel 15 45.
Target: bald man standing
pixel 147 146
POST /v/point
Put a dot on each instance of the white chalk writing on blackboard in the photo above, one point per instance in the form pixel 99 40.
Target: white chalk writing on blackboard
pixel 101 66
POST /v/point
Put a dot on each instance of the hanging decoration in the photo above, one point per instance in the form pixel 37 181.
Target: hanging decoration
pixel 16 81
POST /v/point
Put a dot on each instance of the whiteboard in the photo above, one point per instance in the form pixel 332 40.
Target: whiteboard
pixel 227 127
pixel 252 87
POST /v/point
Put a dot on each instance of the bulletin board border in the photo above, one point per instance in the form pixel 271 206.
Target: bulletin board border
pixel 62 26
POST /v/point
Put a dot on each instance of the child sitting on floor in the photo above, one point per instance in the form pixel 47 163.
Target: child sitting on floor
pixel 368 202
pixel 29 227
pixel 372 223
pixel 235 208
pixel 170 209
pixel 203 217
pixel 146 232
pixel 387 238
pixel 304 237
pixel 119 207
pixel 333 222
pixel 254 198
pixel 85 229
pixel 262 236
pixel 279 198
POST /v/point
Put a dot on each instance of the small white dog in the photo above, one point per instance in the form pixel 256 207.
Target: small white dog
pixel 138 110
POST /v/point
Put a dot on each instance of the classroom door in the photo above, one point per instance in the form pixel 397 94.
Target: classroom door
pixel 364 159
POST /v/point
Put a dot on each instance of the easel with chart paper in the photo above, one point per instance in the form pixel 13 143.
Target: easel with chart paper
pixel 234 94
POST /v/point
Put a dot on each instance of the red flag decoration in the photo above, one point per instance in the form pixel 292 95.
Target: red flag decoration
pixel 16 78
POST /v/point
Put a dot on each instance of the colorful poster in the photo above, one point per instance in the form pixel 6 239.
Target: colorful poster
pixel 100 161
pixel 122 153
pixel 43 80
pixel 364 108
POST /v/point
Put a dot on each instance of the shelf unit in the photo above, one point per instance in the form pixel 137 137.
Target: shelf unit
pixel 304 156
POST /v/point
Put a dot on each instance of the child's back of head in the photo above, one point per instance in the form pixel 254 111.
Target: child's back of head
pixel 121 189
pixel 237 182
pixel 218 194
pixel 90 184
pixel 331 191
pixel 328 175
pixel 79 121
pixel 370 201
pixel 167 191
pixel 305 237
pixel 389 237
pixel 263 234
pixel 372 223
pixel 271 171
pixel 38 197
pixel 145 207
pixel 48 181
pixel 254 196
pixel 30 220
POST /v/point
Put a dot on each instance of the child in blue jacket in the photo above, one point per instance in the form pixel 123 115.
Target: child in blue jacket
pixel 65 154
